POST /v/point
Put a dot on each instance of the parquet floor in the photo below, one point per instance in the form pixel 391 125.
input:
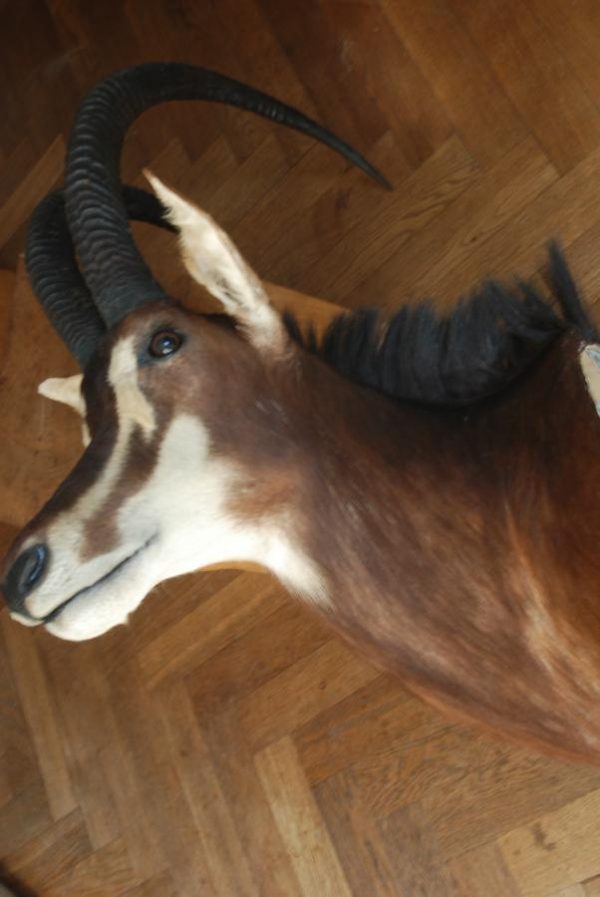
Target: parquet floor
pixel 226 744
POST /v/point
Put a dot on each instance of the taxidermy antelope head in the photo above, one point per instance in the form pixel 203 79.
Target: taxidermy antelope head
pixel 430 485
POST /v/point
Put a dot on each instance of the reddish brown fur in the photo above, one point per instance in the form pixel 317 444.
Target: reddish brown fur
pixel 478 580
pixel 458 548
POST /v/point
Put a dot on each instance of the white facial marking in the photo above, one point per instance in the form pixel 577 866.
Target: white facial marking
pixel 213 261
pixel 179 521
pixel 132 405
pixel 67 574
pixel 198 527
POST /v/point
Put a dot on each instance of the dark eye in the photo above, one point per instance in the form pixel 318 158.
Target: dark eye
pixel 165 342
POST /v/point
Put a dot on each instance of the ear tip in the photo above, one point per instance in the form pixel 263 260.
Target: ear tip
pixel 161 189
pixel 168 197
pixel 45 386
pixel 151 177
pixel 63 389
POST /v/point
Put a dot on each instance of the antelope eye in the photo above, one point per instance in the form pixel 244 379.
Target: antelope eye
pixel 164 343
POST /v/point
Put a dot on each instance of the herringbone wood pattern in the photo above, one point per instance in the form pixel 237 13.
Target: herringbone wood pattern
pixel 225 743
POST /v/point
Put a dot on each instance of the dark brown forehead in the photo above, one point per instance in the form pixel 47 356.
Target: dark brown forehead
pixel 149 314
pixel 94 380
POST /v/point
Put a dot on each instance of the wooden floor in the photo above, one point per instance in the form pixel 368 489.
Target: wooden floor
pixel 225 744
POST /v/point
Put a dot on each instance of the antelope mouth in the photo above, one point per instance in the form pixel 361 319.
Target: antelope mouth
pixel 103 581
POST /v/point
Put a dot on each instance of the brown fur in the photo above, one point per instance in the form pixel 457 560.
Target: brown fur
pixel 459 548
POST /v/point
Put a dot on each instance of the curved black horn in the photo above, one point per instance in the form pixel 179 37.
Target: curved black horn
pixel 113 269
pixel 55 277
pixel 57 281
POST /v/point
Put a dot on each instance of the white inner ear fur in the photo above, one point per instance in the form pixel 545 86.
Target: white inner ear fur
pixel 213 261
pixel 67 391
pixel 589 360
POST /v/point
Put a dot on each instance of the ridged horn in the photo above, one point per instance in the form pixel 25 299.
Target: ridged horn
pixel 116 274
pixel 55 276
pixel 57 281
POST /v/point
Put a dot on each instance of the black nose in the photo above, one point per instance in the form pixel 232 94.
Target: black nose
pixel 24 575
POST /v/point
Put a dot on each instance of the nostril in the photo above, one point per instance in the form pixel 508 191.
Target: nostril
pixel 25 574
pixel 33 566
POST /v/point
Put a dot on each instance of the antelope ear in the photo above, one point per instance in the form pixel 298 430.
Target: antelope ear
pixel 589 360
pixel 66 390
pixel 213 261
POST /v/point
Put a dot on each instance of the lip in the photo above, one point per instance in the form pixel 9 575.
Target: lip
pixel 49 618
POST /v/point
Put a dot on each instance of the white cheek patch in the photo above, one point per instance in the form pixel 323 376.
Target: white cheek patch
pixel 184 514
pixel 197 523
pixel 589 359
pixel 213 261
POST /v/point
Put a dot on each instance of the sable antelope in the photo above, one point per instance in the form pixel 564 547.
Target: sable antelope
pixel 430 485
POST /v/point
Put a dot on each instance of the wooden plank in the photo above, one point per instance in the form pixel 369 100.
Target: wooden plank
pixel 161 795
pixel 529 64
pixel 367 862
pixel 87 725
pixel 23 817
pixel 272 864
pixel 8 534
pixel 455 776
pixel 7 289
pixel 369 49
pixel 457 69
pixel 299 822
pixel 18 762
pixel 555 849
pixel 444 262
pixel 32 463
pixel 119 769
pixel 313 46
pixel 32 189
pixel 482 872
pixel 106 871
pixel 224 856
pixel 415 852
pixel 405 215
pixel 310 686
pixel 374 720
pixel 52 854
pixel 247 662
pixel 40 712
pixel 575 30
pixel 208 628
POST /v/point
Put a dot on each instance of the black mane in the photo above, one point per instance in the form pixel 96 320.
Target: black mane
pixel 464 357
